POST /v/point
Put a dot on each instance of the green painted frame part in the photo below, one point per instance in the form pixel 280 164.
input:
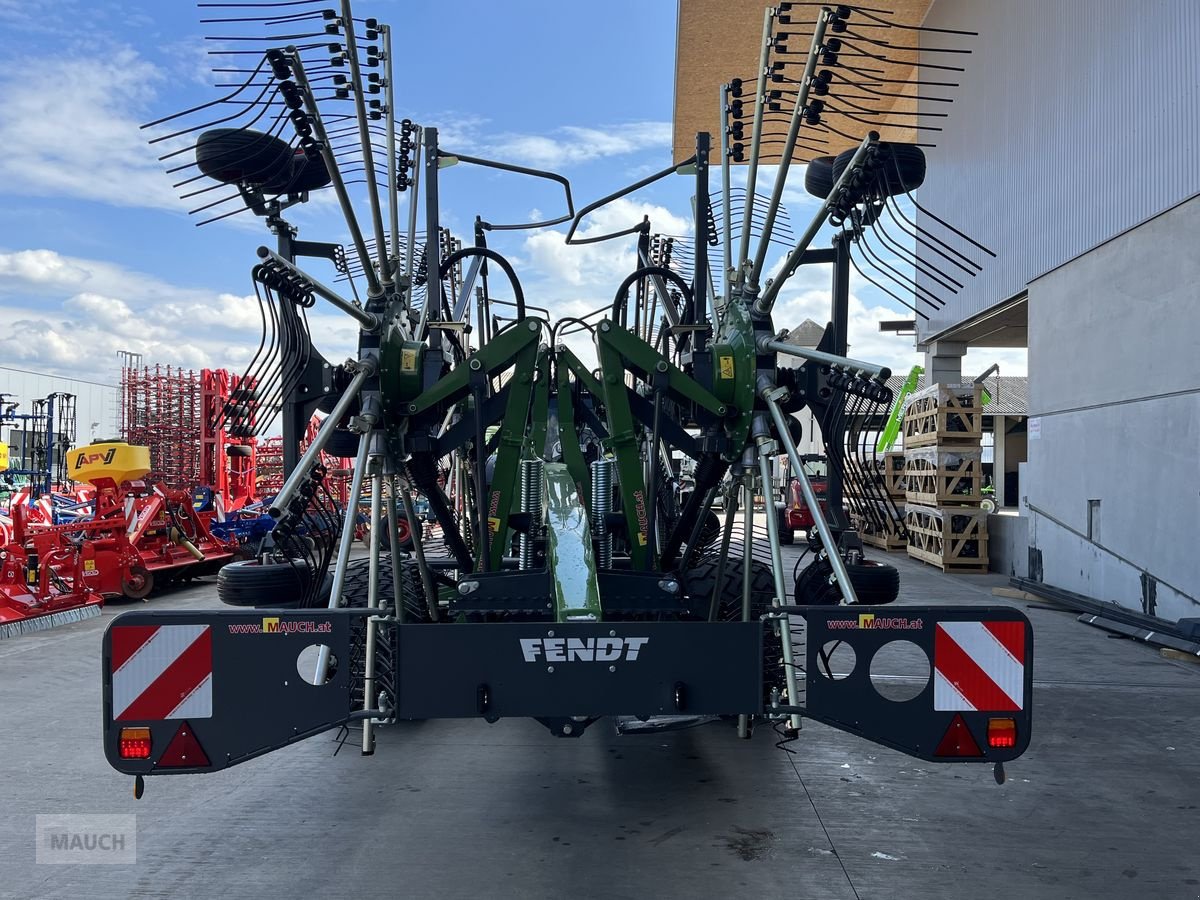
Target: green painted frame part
pixel 619 350
pixel 503 490
pixel 567 363
pixel 541 405
pixel 644 357
pixel 623 442
pixel 735 368
pixel 401 363
pixel 569 549
pixel 498 353
pixel 891 430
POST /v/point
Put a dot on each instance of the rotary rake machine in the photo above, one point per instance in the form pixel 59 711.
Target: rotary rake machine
pixel 568 577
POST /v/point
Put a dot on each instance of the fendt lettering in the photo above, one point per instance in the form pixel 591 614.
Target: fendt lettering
pixel 609 649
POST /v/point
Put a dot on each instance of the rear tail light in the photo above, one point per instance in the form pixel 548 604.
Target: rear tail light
pixel 134 743
pixel 1002 733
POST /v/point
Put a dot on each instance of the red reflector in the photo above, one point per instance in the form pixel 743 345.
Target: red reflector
pixel 134 743
pixel 958 741
pixel 184 751
pixel 1002 733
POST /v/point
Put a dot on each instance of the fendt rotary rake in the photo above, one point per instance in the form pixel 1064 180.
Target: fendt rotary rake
pixel 567 573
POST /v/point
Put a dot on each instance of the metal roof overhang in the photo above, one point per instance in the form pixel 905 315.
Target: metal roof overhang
pixel 718 40
pixel 1005 324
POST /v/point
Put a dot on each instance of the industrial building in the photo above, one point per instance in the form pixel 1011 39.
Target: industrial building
pixel 1084 182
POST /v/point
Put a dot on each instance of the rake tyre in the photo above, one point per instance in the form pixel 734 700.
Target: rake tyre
pixel 269 585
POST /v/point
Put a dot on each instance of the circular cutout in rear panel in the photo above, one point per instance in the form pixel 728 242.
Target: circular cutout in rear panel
pixel 900 671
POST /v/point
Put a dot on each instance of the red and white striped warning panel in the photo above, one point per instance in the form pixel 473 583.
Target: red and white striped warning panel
pixel 161 672
pixel 979 666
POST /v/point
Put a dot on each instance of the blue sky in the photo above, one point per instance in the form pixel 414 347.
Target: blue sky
pixel 97 254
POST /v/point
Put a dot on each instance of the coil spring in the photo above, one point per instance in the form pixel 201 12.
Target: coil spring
pixel 601 506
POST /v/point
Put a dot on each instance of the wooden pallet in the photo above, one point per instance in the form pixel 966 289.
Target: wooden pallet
pixel 893 474
pixel 949 566
pixel 944 414
pixel 883 474
pixel 882 530
pixel 943 475
pixel 953 538
pixel 891 543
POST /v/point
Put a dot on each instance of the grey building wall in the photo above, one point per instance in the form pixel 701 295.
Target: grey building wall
pixel 96 404
pixel 1075 120
pixel 1112 485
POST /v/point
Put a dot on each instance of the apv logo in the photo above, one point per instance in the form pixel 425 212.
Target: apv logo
pixel 86 459
pixel 605 649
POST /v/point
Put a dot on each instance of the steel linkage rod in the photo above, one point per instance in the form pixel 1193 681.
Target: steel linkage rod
pixel 766 447
pixel 366 368
pixel 368 732
pixel 335 173
pixel 369 321
pixel 345 540
pixel 726 227
pixel 762 306
pixel 882 373
pixel 789 147
pixel 390 120
pixel 755 144
pixel 771 396
pixel 364 137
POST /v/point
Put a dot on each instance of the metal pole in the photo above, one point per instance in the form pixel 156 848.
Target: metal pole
pixel 431 600
pixel 390 120
pixel 368 153
pixel 394 545
pixel 369 321
pixel 726 227
pixel 366 368
pixel 762 306
pixel 335 174
pixel 755 142
pixel 765 446
pixel 857 365
pixel 368 733
pixel 789 148
pixel 413 187
pixel 343 555
pixel 771 396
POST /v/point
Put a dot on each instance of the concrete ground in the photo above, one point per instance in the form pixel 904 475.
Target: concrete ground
pixel 1106 804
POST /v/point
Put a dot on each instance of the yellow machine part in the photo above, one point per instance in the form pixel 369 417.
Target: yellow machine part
pixel 3 456
pixel 113 459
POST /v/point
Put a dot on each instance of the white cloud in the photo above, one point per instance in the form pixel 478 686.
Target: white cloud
pixel 564 146
pixel 87 311
pixel 81 139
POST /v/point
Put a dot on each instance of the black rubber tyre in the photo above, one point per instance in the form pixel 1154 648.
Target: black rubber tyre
pixel 699 583
pixel 239 450
pixel 354 592
pixel 818 177
pixel 270 585
pixel 343 444
pixel 900 166
pixel 786 535
pixel 812 584
pixel 234 155
pixel 875 584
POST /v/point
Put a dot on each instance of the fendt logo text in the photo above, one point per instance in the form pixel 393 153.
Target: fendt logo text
pixel 606 649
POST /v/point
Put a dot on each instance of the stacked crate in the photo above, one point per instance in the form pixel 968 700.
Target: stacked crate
pixel 943 477
pixel 879 521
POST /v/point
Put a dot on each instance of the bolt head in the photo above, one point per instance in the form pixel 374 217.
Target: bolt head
pixel 612 668
pixel 549 668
